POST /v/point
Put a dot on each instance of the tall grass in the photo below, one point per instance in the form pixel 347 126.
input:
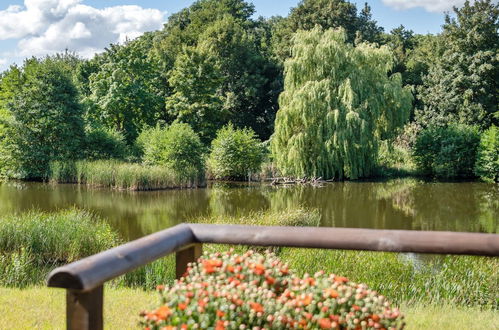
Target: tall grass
pixel 33 243
pixel 121 175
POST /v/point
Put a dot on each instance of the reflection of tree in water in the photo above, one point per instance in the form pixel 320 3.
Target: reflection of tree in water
pixel 464 206
pixel 395 204
pixel 233 200
pixel 398 204
pixel 343 204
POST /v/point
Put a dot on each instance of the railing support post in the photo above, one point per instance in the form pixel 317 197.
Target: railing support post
pixel 183 257
pixel 84 309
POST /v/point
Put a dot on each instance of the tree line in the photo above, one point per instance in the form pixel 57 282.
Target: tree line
pixel 325 87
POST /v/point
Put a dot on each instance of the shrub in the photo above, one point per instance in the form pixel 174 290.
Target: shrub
pixel 176 147
pixel 103 143
pixel 235 153
pixel 487 163
pixel 231 291
pixel 447 152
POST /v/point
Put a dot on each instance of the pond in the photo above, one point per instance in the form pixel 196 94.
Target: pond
pixel 395 204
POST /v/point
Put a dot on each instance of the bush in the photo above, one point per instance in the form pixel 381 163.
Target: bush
pixel 447 152
pixel 176 147
pixel 231 291
pixel 487 163
pixel 103 143
pixel 235 153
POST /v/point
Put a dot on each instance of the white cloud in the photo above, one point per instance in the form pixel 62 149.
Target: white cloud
pixel 49 26
pixel 3 61
pixel 437 6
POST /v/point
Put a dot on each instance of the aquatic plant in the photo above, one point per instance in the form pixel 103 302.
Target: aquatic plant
pixel 121 175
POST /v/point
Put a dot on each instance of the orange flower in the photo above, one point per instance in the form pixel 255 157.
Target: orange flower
pixel 284 271
pixel 325 323
pixel 356 308
pixel 182 306
pixel 257 307
pixel 340 279
pixel 332 293
pixel 270 280
pixel 230 268
pixel 220 325
pixel 259 269
pixel 160 287
pixel 163 312
pixel 306 301
pixel 220 313
pixel 168 327
pixel 184 326
pixel 374 317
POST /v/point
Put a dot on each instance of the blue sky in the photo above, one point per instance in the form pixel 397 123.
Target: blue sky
pixel 40 27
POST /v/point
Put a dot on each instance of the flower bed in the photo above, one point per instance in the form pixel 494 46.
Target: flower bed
pixel 255 291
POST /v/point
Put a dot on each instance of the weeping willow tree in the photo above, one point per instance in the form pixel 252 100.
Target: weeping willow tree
pixel 338 103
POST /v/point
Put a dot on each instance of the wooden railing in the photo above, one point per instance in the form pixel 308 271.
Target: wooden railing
pixel 84 279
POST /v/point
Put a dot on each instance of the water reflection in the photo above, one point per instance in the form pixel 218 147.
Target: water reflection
pixel 396 204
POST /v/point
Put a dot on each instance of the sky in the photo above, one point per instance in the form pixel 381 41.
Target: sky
pixel 40 27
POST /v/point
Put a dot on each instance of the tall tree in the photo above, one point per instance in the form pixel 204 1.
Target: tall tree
pixel 463 86
pixel 240 48
pixel 326 14
pixel 126 90
pixel 197 99
pixel 338 103
pixel 41 120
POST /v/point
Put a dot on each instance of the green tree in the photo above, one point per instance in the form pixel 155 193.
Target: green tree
pixel 462 87
pixel 126 91
pixel 326 14
pixel 196 81
pixel 338 103
pixel 41 119
pixel 487 163
pixel 235 153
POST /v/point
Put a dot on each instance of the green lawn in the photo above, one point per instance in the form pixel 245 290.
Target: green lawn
pixel 43 308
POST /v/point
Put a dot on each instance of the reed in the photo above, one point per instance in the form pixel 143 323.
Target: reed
pixel 33 243
pixel 124 176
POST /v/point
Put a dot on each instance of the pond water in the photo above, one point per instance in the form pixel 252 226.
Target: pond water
pixel 395 204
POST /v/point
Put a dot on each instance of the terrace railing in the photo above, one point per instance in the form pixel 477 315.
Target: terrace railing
pixel 84 279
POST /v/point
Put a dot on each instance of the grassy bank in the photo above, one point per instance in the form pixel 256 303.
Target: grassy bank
pixel 121 175
pixel 34 243
pixel 122 306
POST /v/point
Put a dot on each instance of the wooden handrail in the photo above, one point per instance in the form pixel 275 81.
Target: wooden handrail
pixel 84 279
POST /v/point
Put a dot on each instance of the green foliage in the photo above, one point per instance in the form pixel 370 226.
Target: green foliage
pixel 126 91
pixel 196 100
pixel 33 243
pixel 327 14
pixel 462 87
pixel 338 103
pixel 217 44
pixel 235 153
pixel 176 147
pixel 104 143
pixel 447 152
pixel 40 118
pixel 124 176
pixel 487 163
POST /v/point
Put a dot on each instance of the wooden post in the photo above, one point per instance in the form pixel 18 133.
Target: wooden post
pixel 183 257
pixel 84 309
